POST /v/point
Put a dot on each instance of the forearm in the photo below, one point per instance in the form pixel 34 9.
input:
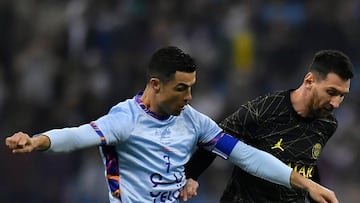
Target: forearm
pixel 262 164
pixel 70 139
pixel 298 181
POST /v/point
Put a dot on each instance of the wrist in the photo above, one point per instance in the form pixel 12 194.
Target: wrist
pixel 299 181
pixel 41 142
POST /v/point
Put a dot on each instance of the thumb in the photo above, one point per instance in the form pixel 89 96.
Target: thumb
pixel 23 142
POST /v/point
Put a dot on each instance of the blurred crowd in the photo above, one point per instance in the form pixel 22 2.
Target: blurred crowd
pixel 65 63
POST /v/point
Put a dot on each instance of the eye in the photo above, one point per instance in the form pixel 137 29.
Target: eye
pixel 181 88
pixel 335 93
pixel 332 93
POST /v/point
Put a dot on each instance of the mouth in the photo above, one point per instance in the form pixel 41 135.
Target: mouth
pixel 326 111
pixel 182 107
pixel 329 109
pixel 178 111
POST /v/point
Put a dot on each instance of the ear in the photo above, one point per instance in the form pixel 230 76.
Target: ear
pixel 309 80
pixel 155 84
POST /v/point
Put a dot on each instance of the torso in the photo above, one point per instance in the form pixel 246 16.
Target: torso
pixel 277 129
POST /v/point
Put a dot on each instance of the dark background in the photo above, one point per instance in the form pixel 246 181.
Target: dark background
pixel 65 63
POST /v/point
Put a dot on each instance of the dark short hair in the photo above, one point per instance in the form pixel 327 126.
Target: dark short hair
pixel 166 61
pixel 332 61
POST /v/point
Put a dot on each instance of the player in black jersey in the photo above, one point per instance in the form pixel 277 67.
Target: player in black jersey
pixel 293 125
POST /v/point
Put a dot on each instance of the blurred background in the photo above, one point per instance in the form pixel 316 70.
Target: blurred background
pixel 65 63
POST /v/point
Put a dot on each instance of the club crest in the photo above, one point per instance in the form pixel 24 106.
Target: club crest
pixel 316 150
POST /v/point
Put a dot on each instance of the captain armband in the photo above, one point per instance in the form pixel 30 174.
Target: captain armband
pixel 224 145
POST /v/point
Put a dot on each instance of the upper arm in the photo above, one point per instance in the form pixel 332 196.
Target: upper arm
pixel 115 127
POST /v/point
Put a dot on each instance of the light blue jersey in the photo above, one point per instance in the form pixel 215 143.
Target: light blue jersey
pixel 144 156
pixel 150 153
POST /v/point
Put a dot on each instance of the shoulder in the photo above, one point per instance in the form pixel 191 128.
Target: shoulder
pixel 278 96
pixel 125 106
pixel 197 118
pixel 191 112
pixel 272 100
pixel 124 112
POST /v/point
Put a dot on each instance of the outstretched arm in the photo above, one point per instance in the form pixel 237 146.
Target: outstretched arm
pixel 57 140
pixel 266 166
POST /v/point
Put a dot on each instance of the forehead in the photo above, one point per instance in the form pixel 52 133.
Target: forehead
pixel 184 78
pixel 333 81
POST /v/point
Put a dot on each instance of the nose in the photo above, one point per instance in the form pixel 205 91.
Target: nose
pixel 188 95
pixel 336 101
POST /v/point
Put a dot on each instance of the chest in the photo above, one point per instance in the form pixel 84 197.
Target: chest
pixel 159 143
pixel 291 139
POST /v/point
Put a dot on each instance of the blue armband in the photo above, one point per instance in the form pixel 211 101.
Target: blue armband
pixel 224 145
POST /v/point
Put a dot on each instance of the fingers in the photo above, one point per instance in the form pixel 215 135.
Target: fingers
pixel 15 141
pixel 19 151
pixel 332 197
pixel 324 195
pixel 188 193
pixel 328 196
pixel 184 195
pixel 189 190
pixel 19 143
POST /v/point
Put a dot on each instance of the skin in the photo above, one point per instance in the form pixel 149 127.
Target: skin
pixel 318 97
pixel 22 143
pixel 171 97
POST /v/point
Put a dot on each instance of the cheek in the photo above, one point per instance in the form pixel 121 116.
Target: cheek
pixel 171 100
pixel 323 99
pixel 317 99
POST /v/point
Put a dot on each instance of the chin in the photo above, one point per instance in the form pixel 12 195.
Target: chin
pixel 324 113
pixel 176 113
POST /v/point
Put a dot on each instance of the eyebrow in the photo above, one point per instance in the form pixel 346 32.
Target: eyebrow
pixel 184 84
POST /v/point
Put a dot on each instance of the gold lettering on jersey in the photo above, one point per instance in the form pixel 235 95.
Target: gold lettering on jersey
pixel 316 150
pixel 303 170
pixel 278 145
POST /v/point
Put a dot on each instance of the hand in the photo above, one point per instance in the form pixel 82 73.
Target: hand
pixel 189 190
pixel 20 143
pixel 317 192
pixel 322 194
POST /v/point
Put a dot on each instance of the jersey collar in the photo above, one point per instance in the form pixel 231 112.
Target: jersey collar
pixel 147 109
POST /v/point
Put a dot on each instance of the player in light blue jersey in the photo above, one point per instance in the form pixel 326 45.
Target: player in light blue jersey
pixel 145 141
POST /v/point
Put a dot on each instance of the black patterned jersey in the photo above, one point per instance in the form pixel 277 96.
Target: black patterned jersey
pixel 271 124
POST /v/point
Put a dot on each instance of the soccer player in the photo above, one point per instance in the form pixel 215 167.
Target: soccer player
pixel 145 141
pixel 293 125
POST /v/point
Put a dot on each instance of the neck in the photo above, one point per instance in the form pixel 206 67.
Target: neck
pixel 298 101
pixel 146 98
pixel 146 101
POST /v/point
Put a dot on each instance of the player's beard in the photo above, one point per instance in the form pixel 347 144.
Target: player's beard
pixel 321 112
